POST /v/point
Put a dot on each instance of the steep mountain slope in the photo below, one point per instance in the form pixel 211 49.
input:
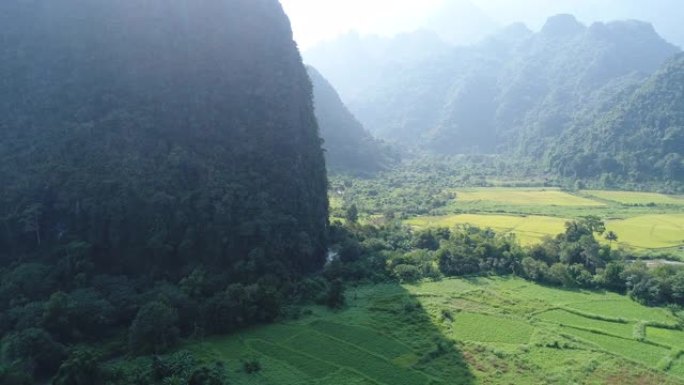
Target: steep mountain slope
pixel 349 147
pixel 640 139
pixel 556 75
pixel 157 135
pixel 514 93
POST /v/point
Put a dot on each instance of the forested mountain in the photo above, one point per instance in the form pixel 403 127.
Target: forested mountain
pixel 514 93
pixel 145 144
pixel 641 138
pixel 348 146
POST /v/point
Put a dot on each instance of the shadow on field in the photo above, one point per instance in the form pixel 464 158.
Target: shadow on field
pixel 385 335
pixel 424 347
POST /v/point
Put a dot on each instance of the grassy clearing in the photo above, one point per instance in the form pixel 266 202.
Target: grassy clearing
pixel 348 356
pixel 624 308
pixel 478 327
pixel 673 338
pixel 531 214
pixel 650 231
pixel 636 198
pixel 644 353
pixel 677 367
pixel 565 318
pixel 523 196
pixel 308 365
pixel 363 338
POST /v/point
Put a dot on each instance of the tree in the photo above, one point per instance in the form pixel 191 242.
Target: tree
pixel 594 224
pixel 534 269
pixel 34 350
pixel 611 237
pixel 154 328
pixel 12 376
pixel 208 376
pixel 407 273
pixel 30 218
pixel 81 368
pixel 352 214
pixel 611 277
pixel 335 298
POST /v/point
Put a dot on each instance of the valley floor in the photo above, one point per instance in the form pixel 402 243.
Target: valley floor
pixel 643 221
pixel 463 331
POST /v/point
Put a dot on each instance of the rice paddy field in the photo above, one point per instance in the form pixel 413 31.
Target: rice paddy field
pixel 462 331
pixel 528 229
pixel 635 198
pixel 642 221
pixel 525 196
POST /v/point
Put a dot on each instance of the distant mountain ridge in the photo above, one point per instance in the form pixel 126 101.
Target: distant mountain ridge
pixel 349 147
pixel 641 137
pixel 516 92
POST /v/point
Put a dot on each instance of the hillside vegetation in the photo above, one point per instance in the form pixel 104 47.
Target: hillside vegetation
pixel 595 102
pixel 162 176
pixel 349 147
pixel 183 202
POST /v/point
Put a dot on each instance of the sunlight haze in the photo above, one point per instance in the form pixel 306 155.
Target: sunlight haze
pixel 314 21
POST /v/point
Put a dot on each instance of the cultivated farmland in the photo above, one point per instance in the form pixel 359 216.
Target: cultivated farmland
pixel 642 221
pixel 635 198
pixel 462 331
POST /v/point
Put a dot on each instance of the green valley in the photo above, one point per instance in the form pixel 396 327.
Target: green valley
pixel 236 192
pixel 534 213
pixel 462 331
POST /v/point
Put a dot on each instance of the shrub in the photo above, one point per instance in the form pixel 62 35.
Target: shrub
pixel 81 368
pixel 154 328
pixel 407 273
pixel 335 298
pixel 34 351
pixel 208 376
pixel 251 366
pixel 13 376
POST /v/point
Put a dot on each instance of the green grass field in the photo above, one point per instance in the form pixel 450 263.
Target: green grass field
pixel 532 214
pixel 650 231
pixel 635 198
pixel 528 229
pixel 524 196
pixel 460 331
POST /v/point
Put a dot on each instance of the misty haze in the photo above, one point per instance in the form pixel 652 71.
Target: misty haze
pixel 338 192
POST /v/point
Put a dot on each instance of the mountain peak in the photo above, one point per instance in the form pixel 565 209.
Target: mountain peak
pixel 562 25
pixel 516 31
pixel 460 22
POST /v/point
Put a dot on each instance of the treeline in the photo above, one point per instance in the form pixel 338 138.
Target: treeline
pixel 47 320
pixel 573 259
pixel 421 185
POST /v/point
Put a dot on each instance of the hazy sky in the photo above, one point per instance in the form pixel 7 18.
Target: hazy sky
pixel 317 20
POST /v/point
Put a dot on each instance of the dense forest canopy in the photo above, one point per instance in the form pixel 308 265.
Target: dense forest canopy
pixel 641 138
pixel 162 176
pixel 158 134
